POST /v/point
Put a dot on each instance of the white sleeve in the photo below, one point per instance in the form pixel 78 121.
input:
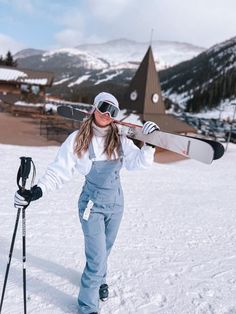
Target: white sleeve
pixel 135 158
pixel 62 168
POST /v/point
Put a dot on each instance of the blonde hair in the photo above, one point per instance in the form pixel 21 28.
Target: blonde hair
pixel 85 134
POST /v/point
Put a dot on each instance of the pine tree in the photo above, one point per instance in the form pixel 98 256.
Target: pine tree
pixel 9 61
pixel 2 62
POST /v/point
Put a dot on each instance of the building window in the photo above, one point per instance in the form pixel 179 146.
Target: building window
pixel 35 89
pixel 25 88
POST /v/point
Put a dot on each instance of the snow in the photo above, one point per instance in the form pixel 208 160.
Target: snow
pixel 26 104
pixel 109 77
pixel 121 54
pixel 225 111
pixel 42 81
pixel 229 43
pixel 11 75
pixel 62 81
pixel 122 51
pixel 90 61
pixel 181 99
pixel 125 65
pixel 175 252
pixel 16 75
pixel 79 80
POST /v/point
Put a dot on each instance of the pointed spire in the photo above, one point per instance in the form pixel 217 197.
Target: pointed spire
pixel 152 31
pixel 144 91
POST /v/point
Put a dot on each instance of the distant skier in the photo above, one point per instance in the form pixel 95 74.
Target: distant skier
pixel 98 152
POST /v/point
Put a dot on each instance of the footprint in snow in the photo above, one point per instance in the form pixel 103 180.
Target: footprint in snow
pixel 231 310
pixel 158 301
pixel 205 308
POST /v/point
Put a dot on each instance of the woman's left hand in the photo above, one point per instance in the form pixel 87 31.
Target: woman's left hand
pixel 150 127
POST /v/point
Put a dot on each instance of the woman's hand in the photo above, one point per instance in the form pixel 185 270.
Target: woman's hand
pixel 23 198
pixel 150 127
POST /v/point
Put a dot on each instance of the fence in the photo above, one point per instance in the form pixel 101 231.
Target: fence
pixel 56 128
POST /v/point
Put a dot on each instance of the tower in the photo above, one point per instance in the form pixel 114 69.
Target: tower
pixel 144 93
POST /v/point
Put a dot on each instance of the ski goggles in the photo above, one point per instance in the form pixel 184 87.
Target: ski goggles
pixel 105 107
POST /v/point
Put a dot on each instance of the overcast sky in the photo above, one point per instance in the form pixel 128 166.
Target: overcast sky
pixel 48 24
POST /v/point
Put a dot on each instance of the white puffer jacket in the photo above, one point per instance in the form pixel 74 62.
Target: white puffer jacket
pixel 67 163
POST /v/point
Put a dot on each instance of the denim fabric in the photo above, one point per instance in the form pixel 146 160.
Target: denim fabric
pixel 102 186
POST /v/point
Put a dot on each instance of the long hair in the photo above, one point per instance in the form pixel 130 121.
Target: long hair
pixel 85 134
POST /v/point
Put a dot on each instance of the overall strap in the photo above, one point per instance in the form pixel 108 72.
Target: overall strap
pixel 92 155
pixel 120 150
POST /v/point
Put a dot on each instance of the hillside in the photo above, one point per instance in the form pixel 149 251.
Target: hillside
pixel 205 81
pixel 99 65
pixel 193 79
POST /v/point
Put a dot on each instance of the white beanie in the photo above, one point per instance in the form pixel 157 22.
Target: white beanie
pixel 107 97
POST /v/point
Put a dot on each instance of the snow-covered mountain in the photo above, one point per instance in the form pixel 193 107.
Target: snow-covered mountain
pixel 125 51
pixel 28 53
pixel 190 76
pixel 205 81
pixel 96 63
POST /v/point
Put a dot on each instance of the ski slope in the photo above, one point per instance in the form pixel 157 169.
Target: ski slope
pixel 175 252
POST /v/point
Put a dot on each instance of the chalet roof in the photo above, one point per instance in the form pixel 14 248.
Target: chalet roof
pixel 16 75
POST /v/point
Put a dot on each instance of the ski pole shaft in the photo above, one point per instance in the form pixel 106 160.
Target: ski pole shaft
pixel 23 174
pixel 24 257
pixel 25 170
pixel 10 256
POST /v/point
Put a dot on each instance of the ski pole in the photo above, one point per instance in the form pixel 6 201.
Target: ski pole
pixel 9 260
pixel 24 257
pixel 23 174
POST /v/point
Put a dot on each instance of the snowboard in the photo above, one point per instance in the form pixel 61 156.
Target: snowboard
pixel 203 150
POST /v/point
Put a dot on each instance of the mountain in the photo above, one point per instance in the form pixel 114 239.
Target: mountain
pixel 205 81
pixel 94 64
pixel 192 78
pixel 28 53
pixel 123 51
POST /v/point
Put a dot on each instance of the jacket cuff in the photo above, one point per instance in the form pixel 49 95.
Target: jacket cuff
pixel 149 147
pixel 42 187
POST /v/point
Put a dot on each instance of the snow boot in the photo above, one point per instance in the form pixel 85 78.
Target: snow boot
pixel 103 292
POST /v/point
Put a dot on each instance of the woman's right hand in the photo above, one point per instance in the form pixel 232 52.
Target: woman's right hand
pixel 23 198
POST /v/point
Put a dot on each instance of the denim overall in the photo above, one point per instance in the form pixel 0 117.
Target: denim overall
pixel 102 186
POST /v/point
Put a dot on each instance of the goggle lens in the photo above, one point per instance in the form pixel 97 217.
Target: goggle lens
pixel 105 107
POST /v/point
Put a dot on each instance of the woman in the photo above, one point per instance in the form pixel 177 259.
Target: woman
pixel 98 152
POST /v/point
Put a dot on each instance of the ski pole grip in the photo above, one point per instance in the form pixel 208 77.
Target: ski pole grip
pixel 23 172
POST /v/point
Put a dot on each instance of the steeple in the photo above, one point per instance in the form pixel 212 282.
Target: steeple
pixel 144 91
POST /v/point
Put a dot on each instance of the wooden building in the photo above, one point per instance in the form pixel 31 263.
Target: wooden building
pixel 27 84
pixel 144 97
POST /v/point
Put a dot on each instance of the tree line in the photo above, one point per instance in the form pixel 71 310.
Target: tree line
pixel 205 80
pixel 223 87
pixel 8 60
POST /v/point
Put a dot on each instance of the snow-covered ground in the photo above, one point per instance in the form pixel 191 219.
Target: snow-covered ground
pixel 225 111
pixel 175 252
